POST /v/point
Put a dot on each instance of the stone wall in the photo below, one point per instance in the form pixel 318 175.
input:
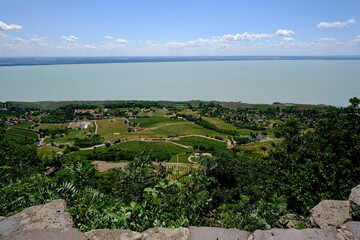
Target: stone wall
pixel 332 220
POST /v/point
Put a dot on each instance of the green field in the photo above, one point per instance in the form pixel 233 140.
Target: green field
pixel 139 146
pixel 221 124
pixel 256 149
pixel 155 122
pixel 200 141
pixel 48 151
pixel 18 133
pixel 227 126
pixel 52 126
pixel 180 158
pixel 106 128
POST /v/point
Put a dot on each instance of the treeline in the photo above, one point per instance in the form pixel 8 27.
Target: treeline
pixel 133 105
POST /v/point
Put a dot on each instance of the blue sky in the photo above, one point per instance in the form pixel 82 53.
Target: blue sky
pixel 172 27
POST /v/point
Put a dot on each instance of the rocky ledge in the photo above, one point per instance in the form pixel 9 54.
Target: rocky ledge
pixel 330 219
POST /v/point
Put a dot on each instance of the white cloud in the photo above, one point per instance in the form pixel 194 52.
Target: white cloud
pixel 288 39
pixel 195 43
pixel 335 24
pixel 11 27
pixel 108 37
pixel 325 39
pixel 88 46
pixel 119 40
pixel 358 36
pixel 283 32
pixel 245 37
pixel 70 38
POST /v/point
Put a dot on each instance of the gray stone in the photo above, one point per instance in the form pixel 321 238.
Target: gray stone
pixel 165 234
pixel 1 218
pixel 48 234
pixel 294 234
pixel 354 199
pixel 112 234
pixel 211 233
pixel 50 215
pixel 330 214
pixel 353 228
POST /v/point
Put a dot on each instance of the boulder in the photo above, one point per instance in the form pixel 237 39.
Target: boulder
pixel 354 199
pixel 112 234
pixel 351 230
pixel 214 233
pixel 330 214
pixel 40 222
pixel 294 234
pixel 150 234
pixel 165 234
pixel 47 234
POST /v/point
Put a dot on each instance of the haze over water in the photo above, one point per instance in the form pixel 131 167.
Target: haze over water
pixel 292 81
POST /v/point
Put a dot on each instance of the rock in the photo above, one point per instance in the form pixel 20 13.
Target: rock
pixel 47 216
pixel 150 234
pixel 294 234
pixel 165 234
pixel 292 221
pixel 211 233
pixel 354 199
pixel 48 234
pixel 352 229
pixel 330 214
pixel 112 234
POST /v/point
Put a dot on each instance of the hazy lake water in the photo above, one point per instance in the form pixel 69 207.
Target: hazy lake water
pixel 296 81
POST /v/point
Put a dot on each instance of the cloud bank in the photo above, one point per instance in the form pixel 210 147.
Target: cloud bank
pixel 11 27
pixel 70 38
pixel 336 24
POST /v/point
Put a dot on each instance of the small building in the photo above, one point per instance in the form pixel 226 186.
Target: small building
pixel 200 155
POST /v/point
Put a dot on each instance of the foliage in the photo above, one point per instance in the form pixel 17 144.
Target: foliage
pixel 321 164
pixel 251 216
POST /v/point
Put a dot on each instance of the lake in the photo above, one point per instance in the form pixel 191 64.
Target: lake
pixel 258 81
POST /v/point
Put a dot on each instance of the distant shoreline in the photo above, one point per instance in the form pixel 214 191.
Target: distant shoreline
pixel 38 61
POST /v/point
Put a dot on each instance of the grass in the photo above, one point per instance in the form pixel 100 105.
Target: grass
pixel 106 128
pixel 181 158
pixel 255 149
pixel 70 137
pixel 221 123
pixel 21 133
pixel 135 146
pixel 200 141
pixel 48 151
pixel 52 126
pixel 139 146
pixel 154 122
pixel 171 129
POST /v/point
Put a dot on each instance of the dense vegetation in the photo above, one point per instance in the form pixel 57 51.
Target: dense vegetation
pixel 229 189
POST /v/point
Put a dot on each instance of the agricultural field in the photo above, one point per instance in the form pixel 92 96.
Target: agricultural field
pixel 108 127
pixel 48 151
pixel 256 149
pixel 70 137
pixel 155 122
pixel 21 134
pixel 201 142
pixel 140 146
pixel 51 126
